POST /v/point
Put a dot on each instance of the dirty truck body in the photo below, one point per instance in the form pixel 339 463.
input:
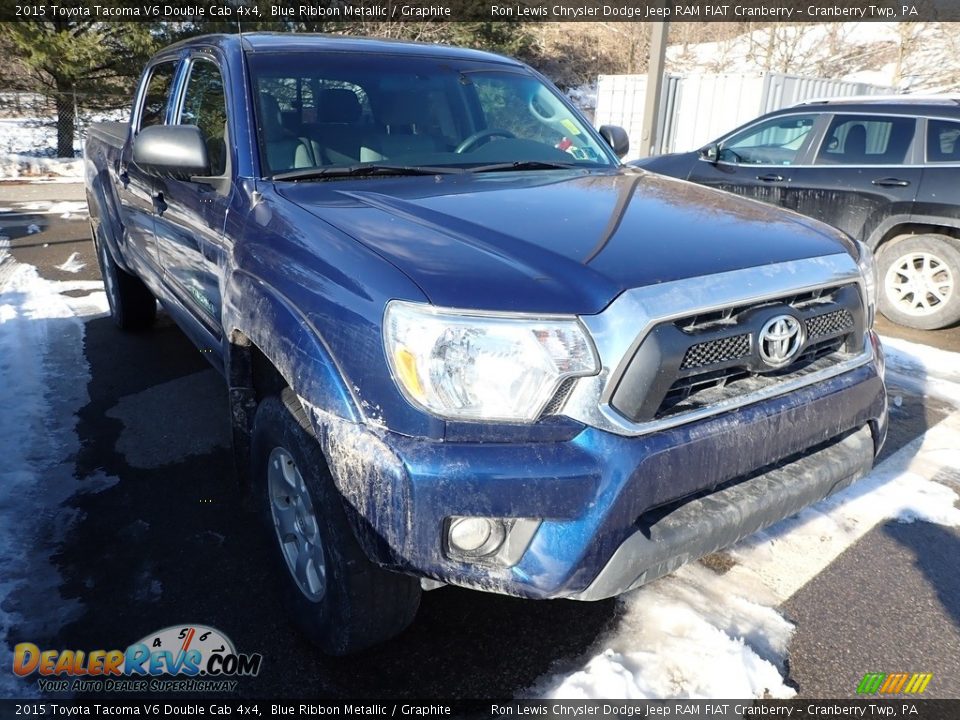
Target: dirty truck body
pixel 466 345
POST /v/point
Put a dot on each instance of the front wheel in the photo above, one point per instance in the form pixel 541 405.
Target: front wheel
pixel 342 601
pixel 920 281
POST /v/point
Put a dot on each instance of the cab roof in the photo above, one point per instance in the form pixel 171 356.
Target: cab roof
pixel 272 42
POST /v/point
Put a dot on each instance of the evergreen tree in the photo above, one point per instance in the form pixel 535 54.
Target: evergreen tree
pixel 77 62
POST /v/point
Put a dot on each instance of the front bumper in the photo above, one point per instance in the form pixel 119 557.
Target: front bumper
pixel 617 511
pixel 676 535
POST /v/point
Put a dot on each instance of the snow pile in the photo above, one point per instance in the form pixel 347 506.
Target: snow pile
pixel 923 369
pixel 35 136
pixel 27 149
pixel 13 167
pixel 28 146
pixel 43 380
pixel 699 634
pixel 693 634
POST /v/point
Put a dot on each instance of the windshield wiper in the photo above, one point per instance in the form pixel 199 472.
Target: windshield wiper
pixel 366 169
pixel 522 165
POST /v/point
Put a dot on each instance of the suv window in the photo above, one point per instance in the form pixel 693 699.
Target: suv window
pixel 153 107
pixel 943 141
pixel 205 106
pixel 866 140
pixel 777 141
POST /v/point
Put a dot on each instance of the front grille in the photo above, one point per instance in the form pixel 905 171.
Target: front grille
pixel 727 316
pixel 697 391
pixel 831 323
pixel 716 351
pixel 697 361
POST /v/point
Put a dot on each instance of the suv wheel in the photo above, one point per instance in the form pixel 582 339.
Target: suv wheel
pixel 920 281
pixel 132 305
pixel 342 601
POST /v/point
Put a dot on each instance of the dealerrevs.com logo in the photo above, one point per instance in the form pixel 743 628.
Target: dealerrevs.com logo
pixel 184 658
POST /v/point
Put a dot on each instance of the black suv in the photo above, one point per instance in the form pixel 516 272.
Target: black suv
pixel 886 170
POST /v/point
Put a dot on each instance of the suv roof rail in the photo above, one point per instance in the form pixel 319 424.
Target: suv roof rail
pixel 941 99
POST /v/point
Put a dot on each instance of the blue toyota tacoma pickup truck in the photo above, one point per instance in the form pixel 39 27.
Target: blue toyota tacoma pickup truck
pixel 464 344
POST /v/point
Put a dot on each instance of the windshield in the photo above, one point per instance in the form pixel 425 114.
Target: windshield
pixel 331 111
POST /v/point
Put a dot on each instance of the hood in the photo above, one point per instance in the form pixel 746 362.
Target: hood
pixel 556 241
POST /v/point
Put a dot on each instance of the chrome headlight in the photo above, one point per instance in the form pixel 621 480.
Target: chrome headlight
pixel 870 274
pixel 471 365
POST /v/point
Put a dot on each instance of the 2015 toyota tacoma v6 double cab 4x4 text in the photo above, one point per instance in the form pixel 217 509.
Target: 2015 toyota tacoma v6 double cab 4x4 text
pixel 464 344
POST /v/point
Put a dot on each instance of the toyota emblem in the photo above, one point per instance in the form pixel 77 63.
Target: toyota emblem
pixel 780 340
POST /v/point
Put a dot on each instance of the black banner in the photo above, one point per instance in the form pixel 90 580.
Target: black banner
pixel 910 708
pixel 281 11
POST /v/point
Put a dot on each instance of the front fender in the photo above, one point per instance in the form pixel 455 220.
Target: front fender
pixel 289 341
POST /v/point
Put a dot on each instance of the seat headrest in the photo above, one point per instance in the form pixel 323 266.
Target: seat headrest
pixel 338 105
pixel 271 120
pixel 856 143
pixel 403 110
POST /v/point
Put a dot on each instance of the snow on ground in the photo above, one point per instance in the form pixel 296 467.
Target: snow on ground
pixel 923 369
pixel 72 264
pixel 14 167
pixel 28 147
pixel 66 209
pixel 700 634
pixel 43 381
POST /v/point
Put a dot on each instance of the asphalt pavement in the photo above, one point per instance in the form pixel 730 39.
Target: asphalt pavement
pixel 172 542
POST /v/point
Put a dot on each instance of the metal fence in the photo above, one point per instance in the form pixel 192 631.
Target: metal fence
pixel 698 108
pixel 29 121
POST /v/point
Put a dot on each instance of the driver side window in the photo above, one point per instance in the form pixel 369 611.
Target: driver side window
pixel 778 141
pixel 205 106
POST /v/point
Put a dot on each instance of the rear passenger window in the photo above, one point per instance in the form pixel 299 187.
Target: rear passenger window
pixel 943 141
pixel 153 109
pixel 866 140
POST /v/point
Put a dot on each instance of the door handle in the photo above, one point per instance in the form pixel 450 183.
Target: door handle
pixel 891 182
pixel 123 176
pixel 770 178
pixel 159 204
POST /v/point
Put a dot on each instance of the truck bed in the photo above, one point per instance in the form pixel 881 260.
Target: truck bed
pixel 112 133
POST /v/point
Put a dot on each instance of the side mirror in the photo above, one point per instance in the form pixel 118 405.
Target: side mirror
pixel 171 151
pixel 616 138
pixel 711 153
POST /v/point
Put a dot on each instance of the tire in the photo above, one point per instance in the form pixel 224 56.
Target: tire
pixel 132 305
pixel 907 261
pixel 343 602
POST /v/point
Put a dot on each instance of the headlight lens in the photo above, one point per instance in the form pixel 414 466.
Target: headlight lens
pixel 466 365
pixel 871 279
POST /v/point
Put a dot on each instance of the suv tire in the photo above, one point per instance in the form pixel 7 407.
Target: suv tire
pixel 132 305
pixel 341 601
pixel 920 281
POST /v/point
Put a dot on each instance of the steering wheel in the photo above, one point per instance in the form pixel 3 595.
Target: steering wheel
pixel 471 141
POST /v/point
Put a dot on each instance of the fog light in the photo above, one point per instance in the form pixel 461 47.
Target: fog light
pixel 475 536
pixel 488 541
